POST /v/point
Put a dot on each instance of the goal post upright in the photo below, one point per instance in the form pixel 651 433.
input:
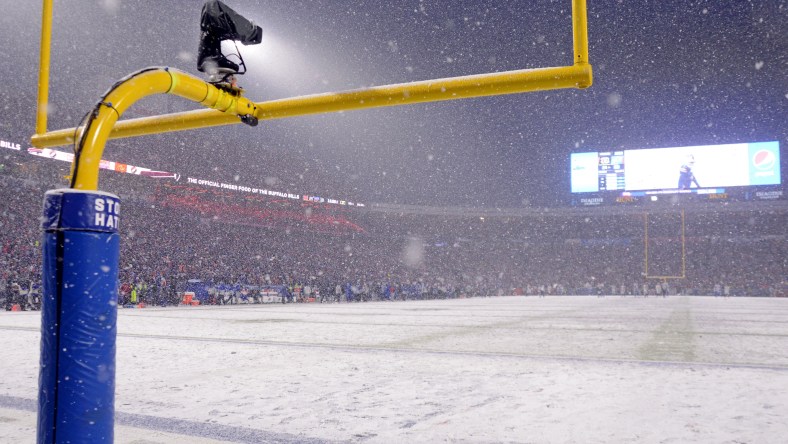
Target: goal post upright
pixel 43 67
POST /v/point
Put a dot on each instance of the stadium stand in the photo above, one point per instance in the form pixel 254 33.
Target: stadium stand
pixel 235 248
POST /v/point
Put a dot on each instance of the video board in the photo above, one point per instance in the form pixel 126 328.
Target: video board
pixel 707 169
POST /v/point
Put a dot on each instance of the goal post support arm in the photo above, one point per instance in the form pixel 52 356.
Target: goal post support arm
pixel 128 91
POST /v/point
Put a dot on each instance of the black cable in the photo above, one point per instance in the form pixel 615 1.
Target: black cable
pixel 109 105
pixel 60 247
pixel 240 57
pixel 78 146
pixel 92 115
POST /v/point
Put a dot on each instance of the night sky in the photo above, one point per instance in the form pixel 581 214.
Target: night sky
pixel 667 73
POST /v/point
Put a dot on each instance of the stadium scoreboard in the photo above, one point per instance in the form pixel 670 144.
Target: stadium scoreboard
pixel 611 171
pixel 747 171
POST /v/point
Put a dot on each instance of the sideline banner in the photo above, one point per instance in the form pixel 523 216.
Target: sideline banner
pixel 119 167
pixel 105 164
pixel 10 145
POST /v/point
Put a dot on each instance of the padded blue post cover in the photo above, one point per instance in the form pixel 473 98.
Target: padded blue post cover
pixel 79 311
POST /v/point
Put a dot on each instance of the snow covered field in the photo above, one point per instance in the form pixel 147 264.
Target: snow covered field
pixel 508 369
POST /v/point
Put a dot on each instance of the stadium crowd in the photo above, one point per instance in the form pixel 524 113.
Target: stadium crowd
pixel 173 237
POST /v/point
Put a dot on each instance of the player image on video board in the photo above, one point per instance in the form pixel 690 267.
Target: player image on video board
pixel 655 169
pixel 686 176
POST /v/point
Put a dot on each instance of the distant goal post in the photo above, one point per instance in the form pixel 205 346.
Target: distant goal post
pixel 665 242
